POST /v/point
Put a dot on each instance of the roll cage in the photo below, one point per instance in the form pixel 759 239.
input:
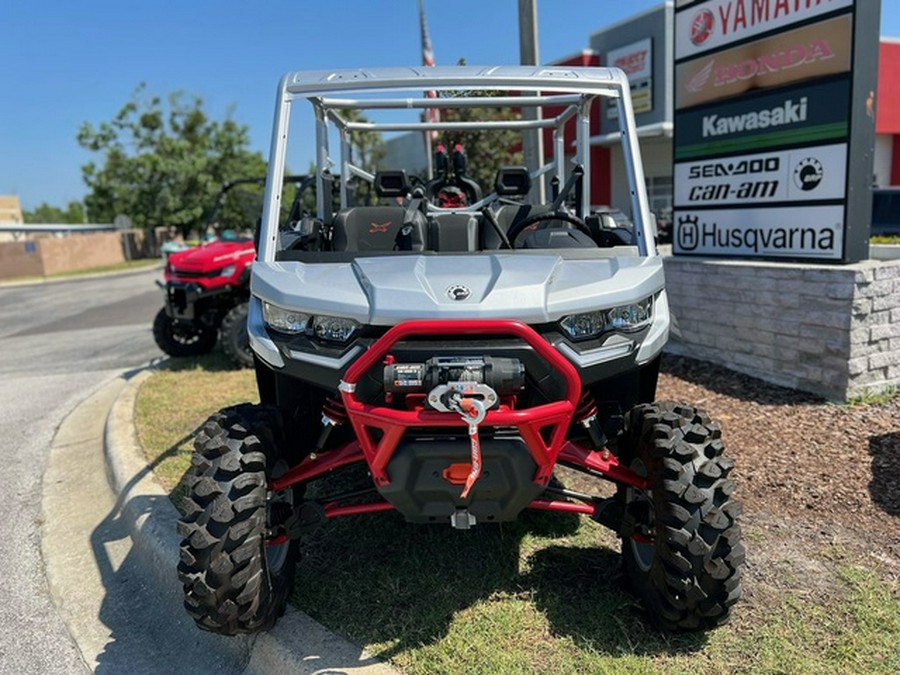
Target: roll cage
pixel 331 93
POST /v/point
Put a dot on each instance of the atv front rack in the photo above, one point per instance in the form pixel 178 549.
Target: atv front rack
pixel 379 428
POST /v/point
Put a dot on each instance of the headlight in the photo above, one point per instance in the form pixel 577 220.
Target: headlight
pixel 228 271
pixel 330 328
pixel 334 328
pixel 284 320
pixel 622 318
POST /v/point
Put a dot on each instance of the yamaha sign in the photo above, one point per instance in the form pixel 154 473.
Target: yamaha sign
pixel 774 128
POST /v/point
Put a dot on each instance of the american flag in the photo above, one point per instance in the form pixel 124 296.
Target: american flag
pixel 431 114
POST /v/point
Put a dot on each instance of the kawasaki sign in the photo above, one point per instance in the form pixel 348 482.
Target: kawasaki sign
pixel 807 114
pixel 774 127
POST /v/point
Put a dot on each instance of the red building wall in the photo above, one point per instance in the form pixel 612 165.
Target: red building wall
pixel 887 117
pixel 600 188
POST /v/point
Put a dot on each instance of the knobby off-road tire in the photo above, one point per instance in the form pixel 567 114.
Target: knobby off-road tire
pixel 234 338
pixel 686 560
pixel 233 581
pixel 180 338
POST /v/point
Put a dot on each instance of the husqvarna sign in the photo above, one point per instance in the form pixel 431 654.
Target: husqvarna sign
pixel 772 146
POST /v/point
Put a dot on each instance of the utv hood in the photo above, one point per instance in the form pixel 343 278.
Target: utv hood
pixel 387 290
pixel 212 256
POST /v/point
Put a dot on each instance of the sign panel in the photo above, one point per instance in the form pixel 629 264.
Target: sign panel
pixel 702 27
pixel 636 60
pixel 813 51
pixel 813 113
pixel 804 174
pixel 814 232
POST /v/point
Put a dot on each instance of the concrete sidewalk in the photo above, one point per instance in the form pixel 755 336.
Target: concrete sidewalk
pixel 84 565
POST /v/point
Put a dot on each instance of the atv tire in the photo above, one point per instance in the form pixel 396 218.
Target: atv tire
pixel 681 545
pixel 182 338
pixel 234 338
pixel 234 582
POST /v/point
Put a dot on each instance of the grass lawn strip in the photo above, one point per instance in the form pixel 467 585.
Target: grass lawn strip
pixel 545 593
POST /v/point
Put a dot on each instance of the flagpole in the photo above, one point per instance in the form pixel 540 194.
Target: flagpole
pixel 430 114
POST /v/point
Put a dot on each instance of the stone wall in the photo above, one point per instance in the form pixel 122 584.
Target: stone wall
pixel 81 251
pixel 833 330
pixel 47 255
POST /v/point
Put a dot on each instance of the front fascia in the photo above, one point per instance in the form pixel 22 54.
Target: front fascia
pixel 384 291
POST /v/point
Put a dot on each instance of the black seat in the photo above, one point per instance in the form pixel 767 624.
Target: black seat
pixel 506 216
pixel 379 228
pixel 453 232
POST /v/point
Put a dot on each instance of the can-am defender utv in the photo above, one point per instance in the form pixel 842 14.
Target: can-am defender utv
pixel 207 288
pixel 459 354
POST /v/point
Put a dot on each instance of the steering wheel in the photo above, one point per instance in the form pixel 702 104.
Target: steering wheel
pixel 564 216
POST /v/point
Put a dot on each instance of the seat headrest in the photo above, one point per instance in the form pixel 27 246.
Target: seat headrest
pixel 391 183
pixel 512 181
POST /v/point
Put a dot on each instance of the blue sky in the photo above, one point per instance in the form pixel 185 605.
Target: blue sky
pixel 63 62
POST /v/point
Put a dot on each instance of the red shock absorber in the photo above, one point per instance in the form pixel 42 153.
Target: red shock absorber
pixel 587 407
pixel 333 408
pixel 333 414
pixel 586 416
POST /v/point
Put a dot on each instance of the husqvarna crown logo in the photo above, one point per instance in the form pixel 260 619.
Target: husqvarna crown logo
pixel 458 292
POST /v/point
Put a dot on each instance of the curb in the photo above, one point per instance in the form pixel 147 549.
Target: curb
pixel 297 644
pixel 75 276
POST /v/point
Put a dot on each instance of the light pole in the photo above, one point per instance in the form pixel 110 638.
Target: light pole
pixel 532 140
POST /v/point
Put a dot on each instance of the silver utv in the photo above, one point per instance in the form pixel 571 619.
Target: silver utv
pixel 460 345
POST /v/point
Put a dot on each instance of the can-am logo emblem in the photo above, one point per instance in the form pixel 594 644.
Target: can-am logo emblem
pixel 702 26
pixel 458 292
pixel 808 174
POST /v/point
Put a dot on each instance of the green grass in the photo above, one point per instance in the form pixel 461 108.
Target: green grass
pixel 544 594
pixel 884 239
pixel 874 397
pixel 173 404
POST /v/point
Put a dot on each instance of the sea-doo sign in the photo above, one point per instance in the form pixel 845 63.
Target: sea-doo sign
pixel 717 23
pixel 803 174
pixel 774 127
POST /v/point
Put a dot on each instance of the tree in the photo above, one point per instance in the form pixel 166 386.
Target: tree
pixel 44 213
pixel 164 164
pixel 487 149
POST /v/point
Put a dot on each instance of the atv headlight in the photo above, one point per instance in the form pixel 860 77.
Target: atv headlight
pixel 334 328
pixel 228 271
pixel 624 318
pixel 284 320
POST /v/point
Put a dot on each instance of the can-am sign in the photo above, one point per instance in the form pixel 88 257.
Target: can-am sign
pixel 802 174
pixel 722 22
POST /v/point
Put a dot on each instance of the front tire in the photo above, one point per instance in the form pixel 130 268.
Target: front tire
pixel 681 549
pixel 182 338
pixel 234 337
pixel 234 580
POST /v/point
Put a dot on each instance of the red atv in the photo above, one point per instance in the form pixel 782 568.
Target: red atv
pixel 207 287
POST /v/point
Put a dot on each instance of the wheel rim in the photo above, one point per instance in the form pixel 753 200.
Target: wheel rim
pixel 643 552
pixel 185 334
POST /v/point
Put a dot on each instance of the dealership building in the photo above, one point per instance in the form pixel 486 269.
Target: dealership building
pixel 644 47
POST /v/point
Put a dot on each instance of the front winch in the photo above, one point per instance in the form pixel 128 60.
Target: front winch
pixel 445 379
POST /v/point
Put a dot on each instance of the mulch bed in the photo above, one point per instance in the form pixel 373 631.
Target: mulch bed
pixel 799 458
